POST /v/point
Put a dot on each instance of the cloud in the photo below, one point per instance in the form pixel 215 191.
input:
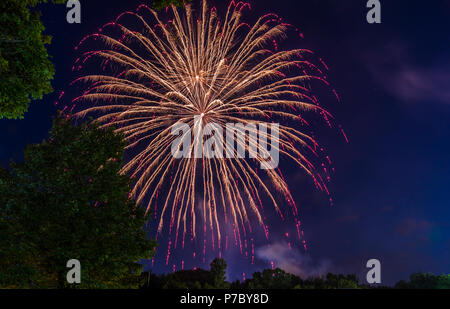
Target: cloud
pixel 293 261
pixel 416 84
pixel 399 76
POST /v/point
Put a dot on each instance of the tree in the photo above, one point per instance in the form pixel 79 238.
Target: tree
pixel 69 201
pixel 161 4
pixel 16 257
pixel 425 281
pixel 273 279
pixel 217 272
pixel 25 68
pixel 190 279
pixel 341 282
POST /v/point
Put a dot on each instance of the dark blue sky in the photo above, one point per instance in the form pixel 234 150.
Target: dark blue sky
pixel 391 185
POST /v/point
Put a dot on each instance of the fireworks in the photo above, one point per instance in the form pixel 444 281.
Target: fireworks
pixel 223 71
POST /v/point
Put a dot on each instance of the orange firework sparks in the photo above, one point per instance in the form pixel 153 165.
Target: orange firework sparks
pixel 223 71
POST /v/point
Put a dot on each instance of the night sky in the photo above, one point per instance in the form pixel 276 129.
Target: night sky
pixel 391 181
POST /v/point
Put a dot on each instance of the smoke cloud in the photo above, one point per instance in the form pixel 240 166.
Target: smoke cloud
pixel 293 261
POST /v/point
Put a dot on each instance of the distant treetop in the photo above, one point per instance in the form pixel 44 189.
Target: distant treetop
pixel 161 4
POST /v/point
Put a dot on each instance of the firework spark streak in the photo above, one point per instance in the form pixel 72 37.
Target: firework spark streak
pixel 224 71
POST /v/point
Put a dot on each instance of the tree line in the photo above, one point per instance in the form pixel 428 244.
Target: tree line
pixel 277 279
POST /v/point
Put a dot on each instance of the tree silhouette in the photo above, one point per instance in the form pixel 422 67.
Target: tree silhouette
pixel 217 271
pixel 69 201
pixel 25 68
pixel 425 281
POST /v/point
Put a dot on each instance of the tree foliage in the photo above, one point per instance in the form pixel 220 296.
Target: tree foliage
pixel 277 279
pixel 272 279
pixel 331 281
pixel 190 279
pixel 161 4
pixel 425 281
pixel 217 274
pixel 25 68
pixel 267 279
pixel 68 201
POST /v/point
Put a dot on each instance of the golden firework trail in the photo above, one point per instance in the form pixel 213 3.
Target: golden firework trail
pixel 223 71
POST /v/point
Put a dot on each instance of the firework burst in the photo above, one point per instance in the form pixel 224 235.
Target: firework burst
pixel 223 71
